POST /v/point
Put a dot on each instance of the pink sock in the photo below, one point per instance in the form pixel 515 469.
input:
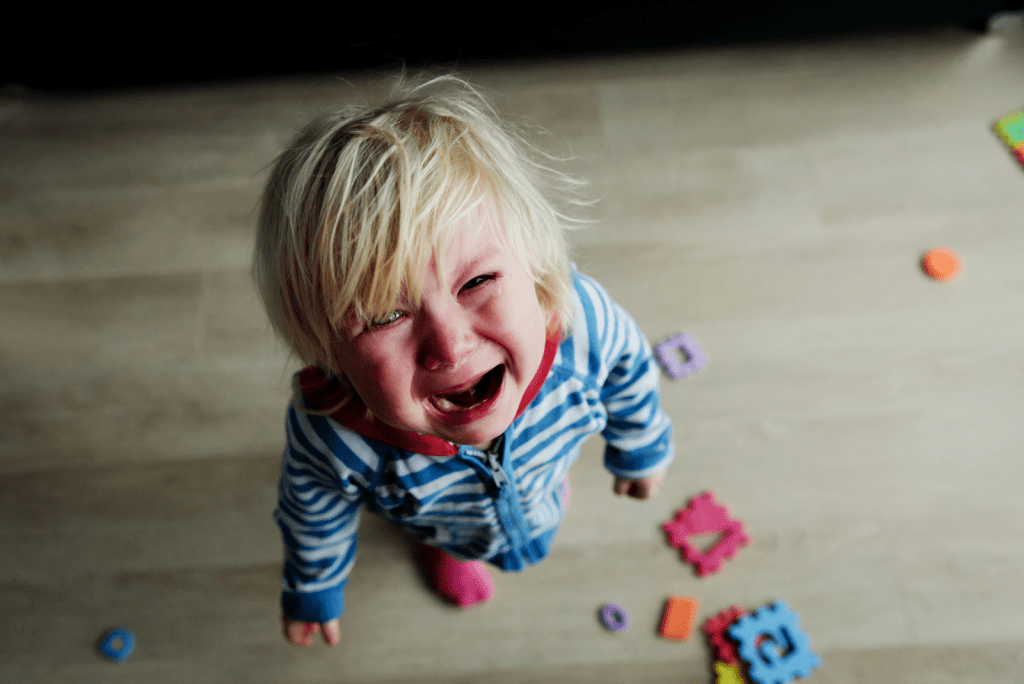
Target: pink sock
pixel 464 583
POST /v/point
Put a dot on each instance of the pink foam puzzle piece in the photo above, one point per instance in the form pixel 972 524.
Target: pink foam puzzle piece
pixel 704 515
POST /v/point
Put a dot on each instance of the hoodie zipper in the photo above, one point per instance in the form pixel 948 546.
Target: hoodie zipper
pixel 506 498
pixel 493 460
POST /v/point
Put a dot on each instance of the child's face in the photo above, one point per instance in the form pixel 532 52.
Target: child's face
pixel 458 366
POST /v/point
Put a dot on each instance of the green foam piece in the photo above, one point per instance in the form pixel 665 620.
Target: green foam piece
pixel 1011 129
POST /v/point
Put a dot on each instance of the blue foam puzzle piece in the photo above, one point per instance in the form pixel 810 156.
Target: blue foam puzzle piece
pixel 117 644
pixel 768 664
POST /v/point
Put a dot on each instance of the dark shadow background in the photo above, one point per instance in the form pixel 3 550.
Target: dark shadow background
pixel 91 48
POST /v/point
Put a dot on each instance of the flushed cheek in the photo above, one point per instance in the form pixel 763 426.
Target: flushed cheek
pixel 522 334
pixel 386 392
pixel 530 338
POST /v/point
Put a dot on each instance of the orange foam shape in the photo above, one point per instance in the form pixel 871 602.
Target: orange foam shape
pixel 678 618
pixel 941 263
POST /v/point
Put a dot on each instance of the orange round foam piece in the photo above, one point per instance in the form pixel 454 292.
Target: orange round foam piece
pixel 941 263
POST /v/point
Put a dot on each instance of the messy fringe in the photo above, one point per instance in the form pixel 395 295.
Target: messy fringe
pixel 366 197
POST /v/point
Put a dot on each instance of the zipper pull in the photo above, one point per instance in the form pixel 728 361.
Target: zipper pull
pixel 492 457
pixel 496 470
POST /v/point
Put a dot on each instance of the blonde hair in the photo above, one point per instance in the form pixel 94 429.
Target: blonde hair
pixel 365 197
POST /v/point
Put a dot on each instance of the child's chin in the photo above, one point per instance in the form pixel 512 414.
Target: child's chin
pixel 479 432
pixel 476 437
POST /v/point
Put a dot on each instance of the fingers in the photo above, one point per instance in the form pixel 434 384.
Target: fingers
pixel 651 485
pixel 331 632
pixel 631 488
pixel 301 633
pixel 621 486
pixel 641 489
pixel 638 489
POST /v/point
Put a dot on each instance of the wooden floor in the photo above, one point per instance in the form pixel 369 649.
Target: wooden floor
pixel 865 421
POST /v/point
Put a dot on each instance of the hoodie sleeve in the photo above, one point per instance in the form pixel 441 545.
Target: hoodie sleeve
pixel 325 475
pixel 638 432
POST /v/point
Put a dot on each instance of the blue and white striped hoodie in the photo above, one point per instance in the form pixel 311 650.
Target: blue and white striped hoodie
pixel 504 508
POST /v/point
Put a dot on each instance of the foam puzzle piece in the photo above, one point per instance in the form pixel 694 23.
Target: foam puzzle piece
pixel 615 617
pixel 941 263
pixel 677 620
pixel 716 627
pixel 1011 129
pixel 704 515
pixel 667 354
pixel 729 673
pixel 786 652
pixel 117 645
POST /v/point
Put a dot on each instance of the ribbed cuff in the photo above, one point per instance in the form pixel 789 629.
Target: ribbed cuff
pixel 314 606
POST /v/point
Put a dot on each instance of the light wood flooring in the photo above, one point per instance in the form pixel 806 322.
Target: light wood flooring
pixel 772 200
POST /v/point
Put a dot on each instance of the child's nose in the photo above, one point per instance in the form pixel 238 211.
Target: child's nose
pixel 447 341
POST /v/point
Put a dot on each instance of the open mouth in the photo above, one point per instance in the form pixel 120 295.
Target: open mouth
pixel 481 392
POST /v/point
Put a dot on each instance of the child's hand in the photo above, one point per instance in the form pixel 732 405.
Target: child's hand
pixel 639 489
pixel 301 633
